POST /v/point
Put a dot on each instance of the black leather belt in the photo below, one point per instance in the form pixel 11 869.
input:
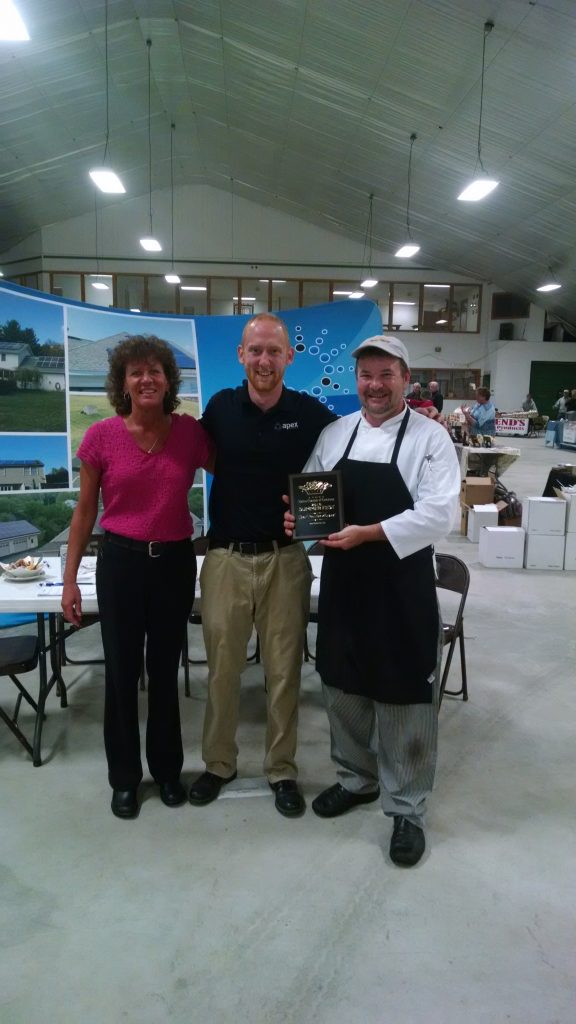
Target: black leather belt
pixel 153 548
pixel 249 547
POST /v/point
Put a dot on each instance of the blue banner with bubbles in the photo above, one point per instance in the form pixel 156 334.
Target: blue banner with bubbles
pixel 323 338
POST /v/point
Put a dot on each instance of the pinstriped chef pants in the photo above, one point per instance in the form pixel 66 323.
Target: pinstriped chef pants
pixel 390 745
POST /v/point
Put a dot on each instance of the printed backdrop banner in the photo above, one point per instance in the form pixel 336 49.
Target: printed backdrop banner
pixel 53 364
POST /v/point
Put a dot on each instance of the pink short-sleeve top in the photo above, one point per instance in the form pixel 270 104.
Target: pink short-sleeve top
pixel 145 496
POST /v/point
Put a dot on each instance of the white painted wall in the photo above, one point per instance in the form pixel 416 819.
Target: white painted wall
pixel 222 237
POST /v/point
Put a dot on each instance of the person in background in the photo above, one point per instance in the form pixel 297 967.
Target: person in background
pixel 143 462
pixel 559 406
pixel 571 402
pixel 252 576
pixel 415 393
pixel 436 395
pixel 379 631
pixel 529 405
pixel 481 418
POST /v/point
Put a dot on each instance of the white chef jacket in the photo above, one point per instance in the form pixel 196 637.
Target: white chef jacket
pixel 427 462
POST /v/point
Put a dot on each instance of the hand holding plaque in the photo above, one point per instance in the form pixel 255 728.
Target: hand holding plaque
pixel 316 502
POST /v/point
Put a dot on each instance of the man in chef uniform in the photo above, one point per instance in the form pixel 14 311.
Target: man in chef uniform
pixel 379 631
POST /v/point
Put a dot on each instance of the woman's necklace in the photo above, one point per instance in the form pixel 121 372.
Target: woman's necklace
pixel 150 450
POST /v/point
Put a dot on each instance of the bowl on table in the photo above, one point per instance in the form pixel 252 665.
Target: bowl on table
pixel 24 569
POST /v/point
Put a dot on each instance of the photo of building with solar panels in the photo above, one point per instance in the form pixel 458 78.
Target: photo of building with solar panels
pixel 32 366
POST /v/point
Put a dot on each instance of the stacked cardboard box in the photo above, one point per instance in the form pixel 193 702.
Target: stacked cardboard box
pixel 501 547
pixel 544 520
pixel 475 490
pixel 569 496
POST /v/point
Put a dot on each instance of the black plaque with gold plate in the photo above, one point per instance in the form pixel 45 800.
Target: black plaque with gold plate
pixel 316 502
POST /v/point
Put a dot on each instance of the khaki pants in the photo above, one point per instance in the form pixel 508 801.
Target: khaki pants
pixel 270 591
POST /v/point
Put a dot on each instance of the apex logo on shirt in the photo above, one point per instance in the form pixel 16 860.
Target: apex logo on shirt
pixel 286 426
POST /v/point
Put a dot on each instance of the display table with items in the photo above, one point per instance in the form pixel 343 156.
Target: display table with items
pixel 566 434
pixel 485 461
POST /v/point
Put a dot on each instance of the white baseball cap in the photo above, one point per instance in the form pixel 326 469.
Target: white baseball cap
pixel 389 346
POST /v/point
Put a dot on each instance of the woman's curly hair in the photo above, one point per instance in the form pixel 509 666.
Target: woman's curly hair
pixel 136 349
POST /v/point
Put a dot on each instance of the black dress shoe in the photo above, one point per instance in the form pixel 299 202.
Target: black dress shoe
pixel 289 800
pixel 407 844
pixel 172 794
pixel 124 803
pixel 207 787
pixel 336 800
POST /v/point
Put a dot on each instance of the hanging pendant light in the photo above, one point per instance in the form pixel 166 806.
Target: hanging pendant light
pixel 104 177
pixel 482 184
pixel 551 285
pixel 369 281
pixel 410 248
pixel 149 243
pixel 172 277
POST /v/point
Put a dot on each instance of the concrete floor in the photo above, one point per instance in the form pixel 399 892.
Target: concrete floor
pixel 231 913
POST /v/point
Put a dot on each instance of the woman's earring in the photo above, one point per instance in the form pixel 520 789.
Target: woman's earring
pixel 126 396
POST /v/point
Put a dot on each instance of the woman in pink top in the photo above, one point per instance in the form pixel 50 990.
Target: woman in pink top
pixel 143 462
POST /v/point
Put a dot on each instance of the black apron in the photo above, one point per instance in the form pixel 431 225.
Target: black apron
pixel 378 620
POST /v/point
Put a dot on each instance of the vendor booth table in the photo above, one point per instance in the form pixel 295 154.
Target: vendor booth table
pixel 485 461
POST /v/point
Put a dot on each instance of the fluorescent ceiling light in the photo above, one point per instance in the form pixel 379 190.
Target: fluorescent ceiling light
pixel 193 288
pixel 1 273
pixel 151 244
pixel 552 287
pixel 245 298
pixel 405 251
pixel 100 286
pixel 441 321
pixel 134 309
pixel 341 293
pixel 106 181
pixel 478 189
pixel 12 28
pixel 436 285
pixel 356 295
pixel 100 276
pixel 275 280
pixel 370 282
pixel 172 278
pixel 401 303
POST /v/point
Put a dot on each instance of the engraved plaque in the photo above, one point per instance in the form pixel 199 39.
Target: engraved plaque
pixel 316 502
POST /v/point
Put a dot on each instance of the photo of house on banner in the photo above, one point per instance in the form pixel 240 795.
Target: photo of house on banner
pixel 33 462
pixel 32 370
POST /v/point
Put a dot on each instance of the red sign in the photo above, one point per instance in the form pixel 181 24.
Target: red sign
pixel 512 426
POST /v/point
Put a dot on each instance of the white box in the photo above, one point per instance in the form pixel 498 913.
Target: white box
pixel 570 498
pixel 481 515
pixel 570 551
pixel 501 547
pixel 544 551
pixel 544 515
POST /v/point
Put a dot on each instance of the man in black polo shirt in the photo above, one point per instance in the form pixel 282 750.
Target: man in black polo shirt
pixel 252 574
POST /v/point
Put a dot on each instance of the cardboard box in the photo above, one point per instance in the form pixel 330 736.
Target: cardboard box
pixel 501 547
pixel 570 498
pixel 570 551
pixel 544 516
pixel 481 515
pixel 544 551
pixel 477 490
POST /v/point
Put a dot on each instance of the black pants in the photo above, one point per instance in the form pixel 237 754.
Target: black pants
pixel 140 598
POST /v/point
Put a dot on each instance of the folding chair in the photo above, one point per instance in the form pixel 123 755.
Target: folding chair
pixel 452 574
pixel 18 654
